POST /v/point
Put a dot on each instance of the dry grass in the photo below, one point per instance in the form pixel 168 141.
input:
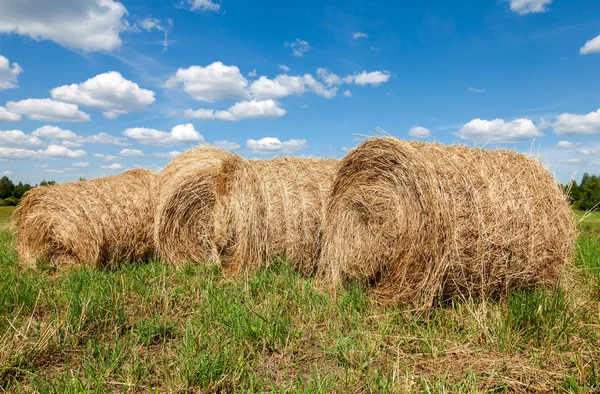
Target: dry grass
pixel 267 208
pixel 419 221
pixel 102 222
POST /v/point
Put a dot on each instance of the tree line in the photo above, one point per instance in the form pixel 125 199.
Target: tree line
pixel 11 194
pixel 586 194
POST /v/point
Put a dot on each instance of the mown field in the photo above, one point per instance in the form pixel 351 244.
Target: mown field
pixel 149 328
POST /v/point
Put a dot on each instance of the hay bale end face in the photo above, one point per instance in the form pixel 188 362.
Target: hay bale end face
pixel 419 220
pixel 184 216
pixel 101 222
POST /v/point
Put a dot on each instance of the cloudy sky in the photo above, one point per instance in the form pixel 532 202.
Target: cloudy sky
pixel 94 87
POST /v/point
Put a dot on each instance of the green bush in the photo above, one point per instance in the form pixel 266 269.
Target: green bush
pixel 9 202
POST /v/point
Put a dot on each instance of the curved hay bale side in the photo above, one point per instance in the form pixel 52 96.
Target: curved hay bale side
pixel 100 222
pixel 418 220
pixel 271 207
pixel 184 221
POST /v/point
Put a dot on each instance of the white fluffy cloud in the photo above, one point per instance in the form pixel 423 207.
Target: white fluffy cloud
pixel 114 166
pixel 282 86
pixel 107 139
pixel 498 130
pixel 592 46
pixel 573 162
pixel 566 145
pixel 523 7
pixel 283 67
pixel 419 132
pixel 47 110
pixel 226 145
pixel 573 124
pixel 7 116
pixel 274 145
pixel 203 5
pixel 55 133
pixel 14 138
pixel 359 34
pixel 57 151
pixel 131 153
pixel 299 47
pixel 266 109
pixel 373 78
pixel 213 82
pixel 81 164
pixel 180 134
pixel 108 91
pixel 18 154
pixel 88 25
pixel 106 157
pixel 347 93
pixel 7 172
pixel 590 151
pixel 8 73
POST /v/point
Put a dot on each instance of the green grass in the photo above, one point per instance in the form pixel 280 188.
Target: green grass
pixel 150 328
pixel 5 213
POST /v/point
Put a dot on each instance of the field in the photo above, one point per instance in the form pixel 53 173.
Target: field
pixel 149 328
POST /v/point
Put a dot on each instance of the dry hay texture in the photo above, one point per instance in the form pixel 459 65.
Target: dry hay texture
pixel 268 208
pixel 214 205
pixel 101 222
pixel 419 221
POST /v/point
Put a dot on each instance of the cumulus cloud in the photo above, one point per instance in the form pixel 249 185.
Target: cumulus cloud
pixel 274 145
pixel 57 151
pixel 7 116
pixel 106 157
pixel 15 138
pixel 18 154
pixel 150 24
pixel 419 132
pixel 282 86
pixel 131 153
pixel 7 172
pixel 252 73
pixel 226 145
pixel 329 78
pixel 114 166
pixel 283 67
pixel 498 130
pixel 523 7
pixel 239 111
pixel 107 139
pixel 108 91
pixel 299 47
pixel 8 73
pixel 167 155
pixel 573 124
pixel 180 134
pixel 347 93
pixel 55 133
pixel 566 145
pixel 72 140
pixel 87 25
pixel 213 82
pixel 81 164
pixel 359 34
pixel 202 5
pixel 592 46
pixel 48 110
pixel 373 78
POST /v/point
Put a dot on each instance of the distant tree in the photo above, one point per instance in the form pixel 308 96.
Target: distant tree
pixel 81 179
pixel 47 183
pixel 21 189
pixel 589 192
pixel 6 187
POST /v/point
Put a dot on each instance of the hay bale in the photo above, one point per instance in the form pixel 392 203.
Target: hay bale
pixel 266 208
pixel 100 222
pixel 419 220
pixel 184 222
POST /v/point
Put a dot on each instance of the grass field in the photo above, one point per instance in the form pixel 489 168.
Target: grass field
pixel 149 328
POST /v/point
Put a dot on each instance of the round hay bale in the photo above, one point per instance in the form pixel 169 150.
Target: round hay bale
pixel 101 222
pixel 183 230
pixel 267 208
pixel 421 220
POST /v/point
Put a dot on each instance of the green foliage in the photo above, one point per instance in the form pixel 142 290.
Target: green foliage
pixel 9 202
pixel 6 187
pixel 586 195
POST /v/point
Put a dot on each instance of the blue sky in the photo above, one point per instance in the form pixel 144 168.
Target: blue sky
pixel 95 87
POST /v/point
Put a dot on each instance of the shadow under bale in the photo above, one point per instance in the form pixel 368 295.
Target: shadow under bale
pixel 100 222
pixel 419 221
